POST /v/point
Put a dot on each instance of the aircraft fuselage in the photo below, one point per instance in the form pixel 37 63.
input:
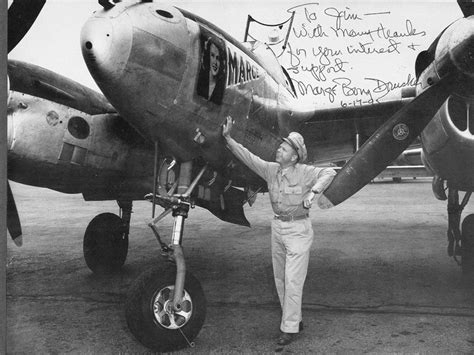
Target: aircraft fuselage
pixel 150 62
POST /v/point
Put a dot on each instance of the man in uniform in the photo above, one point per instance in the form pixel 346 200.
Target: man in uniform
pixel 292 187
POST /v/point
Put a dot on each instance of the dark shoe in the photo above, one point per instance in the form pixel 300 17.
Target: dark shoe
pixel 286 338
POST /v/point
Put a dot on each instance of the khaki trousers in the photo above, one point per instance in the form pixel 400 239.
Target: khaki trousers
pixel 291 244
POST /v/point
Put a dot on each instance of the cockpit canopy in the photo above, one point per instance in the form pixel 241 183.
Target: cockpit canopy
pixel 265 54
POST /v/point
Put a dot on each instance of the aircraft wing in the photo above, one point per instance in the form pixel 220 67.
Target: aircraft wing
pixel 334 134
pixel 362 120
pixel 382 110
pixel 399 171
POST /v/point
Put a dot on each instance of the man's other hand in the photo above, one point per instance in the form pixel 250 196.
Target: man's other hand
pixel 308 201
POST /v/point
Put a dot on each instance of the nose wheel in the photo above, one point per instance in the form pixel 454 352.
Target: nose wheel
pixel 166 307
pixel 151 316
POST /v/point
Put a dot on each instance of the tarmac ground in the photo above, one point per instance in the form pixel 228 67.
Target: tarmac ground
pixel 379 279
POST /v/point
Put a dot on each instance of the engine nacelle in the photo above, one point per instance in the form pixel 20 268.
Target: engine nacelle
pixel 448 143
pixel 452 54
pixel 59 147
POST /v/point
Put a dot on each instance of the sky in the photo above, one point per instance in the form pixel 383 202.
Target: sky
pixel 329 58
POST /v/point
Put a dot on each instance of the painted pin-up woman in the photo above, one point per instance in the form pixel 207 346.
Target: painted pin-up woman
pixel 211 82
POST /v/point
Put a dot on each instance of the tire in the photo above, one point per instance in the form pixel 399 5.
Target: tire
pixel 105 243
pixel 158 331
pixel 467 246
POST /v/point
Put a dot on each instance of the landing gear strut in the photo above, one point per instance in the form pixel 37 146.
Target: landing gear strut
pixel 166 307
pixel 467 251
pixel 460 241
pixel 105 244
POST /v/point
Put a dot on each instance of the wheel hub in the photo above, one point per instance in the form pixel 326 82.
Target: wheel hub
pixel 164 312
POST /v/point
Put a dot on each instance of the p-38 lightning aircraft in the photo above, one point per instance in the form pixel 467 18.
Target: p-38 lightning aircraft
pixel 169 79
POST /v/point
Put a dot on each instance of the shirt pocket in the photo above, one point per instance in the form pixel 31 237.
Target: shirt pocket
pixel 293 195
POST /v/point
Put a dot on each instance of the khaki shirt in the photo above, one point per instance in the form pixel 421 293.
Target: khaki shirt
pixel 287 187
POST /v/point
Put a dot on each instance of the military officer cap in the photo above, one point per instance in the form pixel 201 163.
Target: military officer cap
pixel 296 141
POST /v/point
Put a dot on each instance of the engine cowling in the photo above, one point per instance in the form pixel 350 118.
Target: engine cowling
pixel 451 54
pixel 448 143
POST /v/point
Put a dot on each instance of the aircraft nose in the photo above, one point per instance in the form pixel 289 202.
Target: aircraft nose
pixel 106 44
pixel 139 52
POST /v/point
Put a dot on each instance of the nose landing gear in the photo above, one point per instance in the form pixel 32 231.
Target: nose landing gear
pixel 166 307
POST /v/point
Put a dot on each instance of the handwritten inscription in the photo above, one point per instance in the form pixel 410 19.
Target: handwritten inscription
pixel 328 45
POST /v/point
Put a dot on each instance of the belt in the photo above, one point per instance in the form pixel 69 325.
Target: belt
pixel 290 218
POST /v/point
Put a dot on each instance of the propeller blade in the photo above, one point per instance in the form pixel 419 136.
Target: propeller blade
pixel 13 220
pixel 21 16
pixel 467 7
pixel 386 144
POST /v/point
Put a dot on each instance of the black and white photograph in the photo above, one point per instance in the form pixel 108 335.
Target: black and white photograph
pixel 238 177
